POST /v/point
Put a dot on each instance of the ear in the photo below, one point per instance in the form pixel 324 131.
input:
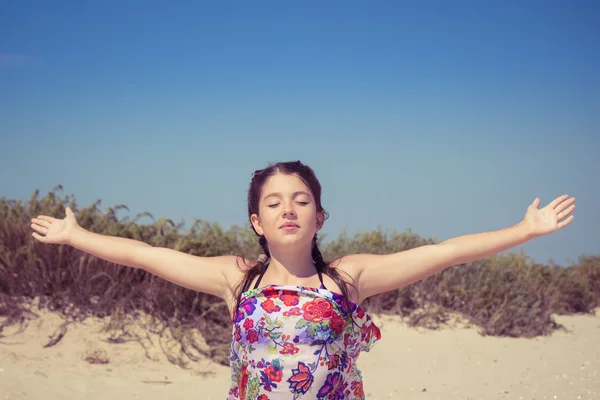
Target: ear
pixel 320 220
pixel 255 219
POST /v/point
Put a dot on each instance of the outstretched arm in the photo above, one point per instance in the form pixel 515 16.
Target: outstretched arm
pixel 213 275
pixel 380 273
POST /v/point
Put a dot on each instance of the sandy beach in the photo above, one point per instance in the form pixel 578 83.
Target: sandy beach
pixel 453 363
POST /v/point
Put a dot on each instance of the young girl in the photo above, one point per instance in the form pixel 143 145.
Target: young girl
pixel 297 324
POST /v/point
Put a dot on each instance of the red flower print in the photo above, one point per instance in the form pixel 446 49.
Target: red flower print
pixel 248 324
pixel 364 332
pixel 290 298
pixel 375 330
pixel 295 311
pixel 336 323
pixel 360 312
pixel 359 391
pixel 369 330
pixel 270 293
pixel 346 339
pixel 274 374
pixel 269 306
pixel 262 397
pixel 243 381
pixel 289 348
pixel 333 362
pixel 317 310
pixel 252 336
pixel 301 379
pixel 237 333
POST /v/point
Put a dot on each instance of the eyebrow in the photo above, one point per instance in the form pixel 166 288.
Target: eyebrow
pixel 280 195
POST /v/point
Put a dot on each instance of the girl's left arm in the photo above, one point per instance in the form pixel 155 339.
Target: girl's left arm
pixel 376 274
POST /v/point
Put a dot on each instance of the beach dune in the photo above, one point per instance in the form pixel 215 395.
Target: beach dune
pixel 452 363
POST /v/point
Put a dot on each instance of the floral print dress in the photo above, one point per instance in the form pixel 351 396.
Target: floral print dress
pixel 296 342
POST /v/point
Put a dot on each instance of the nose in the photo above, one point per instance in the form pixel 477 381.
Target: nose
pixel 288 211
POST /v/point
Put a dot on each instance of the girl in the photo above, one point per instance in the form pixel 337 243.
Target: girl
pixel 298 327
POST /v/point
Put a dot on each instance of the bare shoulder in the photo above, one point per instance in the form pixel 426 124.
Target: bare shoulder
pixel 348 265
pixel 234 268
pixel 348 269
pixel 354 266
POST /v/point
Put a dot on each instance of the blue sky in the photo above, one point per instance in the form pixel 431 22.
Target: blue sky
pixel 445 118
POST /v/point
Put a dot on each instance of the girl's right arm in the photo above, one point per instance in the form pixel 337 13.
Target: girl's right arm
pixel 212 275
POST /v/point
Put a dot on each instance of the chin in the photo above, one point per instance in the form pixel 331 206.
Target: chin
pixel 291 239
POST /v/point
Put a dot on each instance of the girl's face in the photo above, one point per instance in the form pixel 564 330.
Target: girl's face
pixel 286 200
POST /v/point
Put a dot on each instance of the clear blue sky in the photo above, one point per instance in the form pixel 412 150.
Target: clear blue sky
pixel 444 117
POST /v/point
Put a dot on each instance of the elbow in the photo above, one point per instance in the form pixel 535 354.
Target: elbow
pixel 449 254
pixel 141 257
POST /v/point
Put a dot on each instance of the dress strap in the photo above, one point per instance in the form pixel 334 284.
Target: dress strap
pixel 261 275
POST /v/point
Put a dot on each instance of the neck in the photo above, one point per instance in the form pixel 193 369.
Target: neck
pixel 289 266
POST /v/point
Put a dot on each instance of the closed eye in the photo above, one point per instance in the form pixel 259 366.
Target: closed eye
pixel 300 202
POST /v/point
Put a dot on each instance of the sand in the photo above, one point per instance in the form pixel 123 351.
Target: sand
pixel 450 364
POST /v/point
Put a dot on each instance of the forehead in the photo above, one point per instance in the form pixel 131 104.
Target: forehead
pixel 284 184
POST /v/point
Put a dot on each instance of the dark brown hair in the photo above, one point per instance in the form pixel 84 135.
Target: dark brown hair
pixel 307 175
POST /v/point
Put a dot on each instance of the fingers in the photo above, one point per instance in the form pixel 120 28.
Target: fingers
pixel 46 218
pixel 566 212
pixel 38 237
pixel 41 222
pixel 41 229
pixel 566 222
pixel 559 208
pixel 558 200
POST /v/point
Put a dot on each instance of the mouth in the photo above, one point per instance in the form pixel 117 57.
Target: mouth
pixel 289 225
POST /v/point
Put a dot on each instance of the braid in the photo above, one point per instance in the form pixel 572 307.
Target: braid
pixel 263 243
pixel 317 256
pixel 262 259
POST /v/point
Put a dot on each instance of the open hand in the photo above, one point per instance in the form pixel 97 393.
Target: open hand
pixel 52 230
pixel 551 218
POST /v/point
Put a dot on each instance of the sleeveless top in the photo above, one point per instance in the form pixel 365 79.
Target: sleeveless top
pixel 297 342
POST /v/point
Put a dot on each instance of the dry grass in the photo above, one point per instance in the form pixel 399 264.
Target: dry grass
pixel 505 295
